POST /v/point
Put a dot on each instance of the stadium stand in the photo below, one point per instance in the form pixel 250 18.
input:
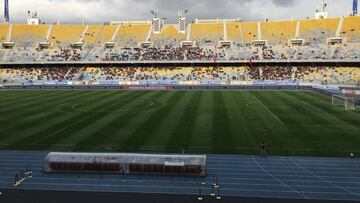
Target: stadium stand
pixel 169 36
pixel 98 35
pixel 3 32
pixel 306 74
pixel 234 32
pixel 351 29
pixel 317 31
pixel 29 35
pixel 277 33
pixel 249 32
pixel 207 34
pixel 65 35
pixel 131 35
pixel 124 40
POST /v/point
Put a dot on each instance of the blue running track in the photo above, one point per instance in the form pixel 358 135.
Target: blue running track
pixel 237 175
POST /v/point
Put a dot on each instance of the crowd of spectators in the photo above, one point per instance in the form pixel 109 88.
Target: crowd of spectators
pixel 335 75
pixel 169 53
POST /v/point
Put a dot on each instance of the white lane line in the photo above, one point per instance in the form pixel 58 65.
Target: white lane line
pixel 277 118
pixel 323 179
pixel 280 181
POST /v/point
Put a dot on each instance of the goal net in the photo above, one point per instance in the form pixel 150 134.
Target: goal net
pixel 345 102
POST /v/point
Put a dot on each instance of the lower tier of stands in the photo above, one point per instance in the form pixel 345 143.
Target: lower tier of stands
pixel 185 75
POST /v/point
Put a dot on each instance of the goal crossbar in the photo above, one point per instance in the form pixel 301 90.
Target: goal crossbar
pixel 339 100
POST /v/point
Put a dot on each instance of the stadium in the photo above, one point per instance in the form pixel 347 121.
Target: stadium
pixel 201 110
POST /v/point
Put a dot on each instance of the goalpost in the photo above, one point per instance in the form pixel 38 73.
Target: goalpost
pixel 347 103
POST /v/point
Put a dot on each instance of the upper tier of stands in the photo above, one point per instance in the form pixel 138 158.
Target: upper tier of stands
pixel 130 35
pixel 169 36
pixel 278 32
pixel 65 35
pixel 314 31
pixel 207 34
pixel 317 31
pixel 351 29
pixel 29 35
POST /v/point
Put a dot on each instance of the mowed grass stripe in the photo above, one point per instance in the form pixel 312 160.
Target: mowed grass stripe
pixel 98 132
pixel 7 96
pixel 97 113
pixel 48 134
pixel 18 130
pixel 201 138
pixel 324 103
pixel 315 135
pixel 313 126
pixel 162 134
pixel 241 124
pixel 36 128
pixel 21 106
pixel 272 131
pixel 32 114
pixel 144 131
pixel 335 119
pixel 125 125
pixel 182 135
pixel 222 136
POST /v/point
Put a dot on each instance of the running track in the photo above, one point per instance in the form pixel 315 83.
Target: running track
pixel 238 175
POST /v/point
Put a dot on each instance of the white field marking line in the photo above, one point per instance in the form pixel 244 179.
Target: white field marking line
pixel 323 179
pixel 105 180
pixel 277 118
pixel 248 105
pixel 73 107
pixel 75 123
pixel 172 187
pixel 188 181
pixel 58 107
pixel 164 181
pixel 280 181
pixel 193 193
pixel 166 187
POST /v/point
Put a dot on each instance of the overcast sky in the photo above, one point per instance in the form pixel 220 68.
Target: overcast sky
pixel 99 11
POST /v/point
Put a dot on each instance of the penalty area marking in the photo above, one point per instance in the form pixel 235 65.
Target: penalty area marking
pixel 277 118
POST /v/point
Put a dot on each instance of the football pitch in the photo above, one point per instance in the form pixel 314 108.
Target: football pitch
pixel 290 122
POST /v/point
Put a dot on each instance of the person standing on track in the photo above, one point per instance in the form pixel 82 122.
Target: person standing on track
pixel 263 150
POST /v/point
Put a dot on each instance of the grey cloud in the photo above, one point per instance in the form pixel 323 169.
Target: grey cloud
pixel 98 11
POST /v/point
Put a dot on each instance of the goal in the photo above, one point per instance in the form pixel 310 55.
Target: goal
pixel 347 103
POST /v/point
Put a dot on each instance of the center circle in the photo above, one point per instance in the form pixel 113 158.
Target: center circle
pixel 120 105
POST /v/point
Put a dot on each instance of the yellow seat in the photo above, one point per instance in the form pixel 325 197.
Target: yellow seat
pixel 3 32
pixel 351 29
pixel 169 35
pixel 98 35
pixel 249 32
pixel 29 35
pixel 207 33
pixel 278 32
pixel 131 35
pixel 64 35
pixel 316 31
pixel 234 31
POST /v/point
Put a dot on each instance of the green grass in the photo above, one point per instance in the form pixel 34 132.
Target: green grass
pixel 292 123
